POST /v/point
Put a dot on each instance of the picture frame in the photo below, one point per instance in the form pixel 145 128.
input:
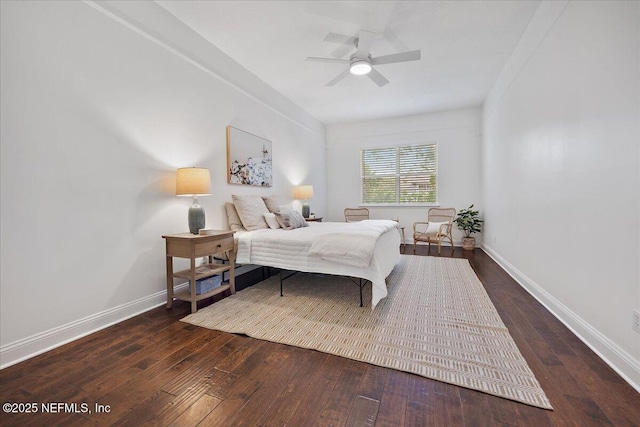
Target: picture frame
pixel 249 159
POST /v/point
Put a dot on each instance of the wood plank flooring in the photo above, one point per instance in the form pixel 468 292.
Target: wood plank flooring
pixel 155 370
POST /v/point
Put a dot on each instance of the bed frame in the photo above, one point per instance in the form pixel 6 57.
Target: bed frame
pixel 260 247
pixel 360 283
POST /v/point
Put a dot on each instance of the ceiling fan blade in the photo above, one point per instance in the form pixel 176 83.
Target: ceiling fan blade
pixel 378 78
pixel 339 38
pixel 336 60
pixel 338 78
pixel 347 44
pixel 414 55
pixel 342 51
pixel 365 39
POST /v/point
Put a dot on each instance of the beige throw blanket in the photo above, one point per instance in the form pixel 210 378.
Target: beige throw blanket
pixel 353 246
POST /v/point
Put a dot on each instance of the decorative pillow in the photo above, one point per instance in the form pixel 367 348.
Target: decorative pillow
pixel 291 220
pixel 250 210
pixel 434 227
pixel 272 221
pixel 286 208
pixel 232 217
pixel 273 203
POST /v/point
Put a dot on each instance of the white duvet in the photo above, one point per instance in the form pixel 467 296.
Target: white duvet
pixel 353 245
pixel 378 241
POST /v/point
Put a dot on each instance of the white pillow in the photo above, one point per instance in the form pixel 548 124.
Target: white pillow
pixel 434 227
pixel 271 220
pixel 250 210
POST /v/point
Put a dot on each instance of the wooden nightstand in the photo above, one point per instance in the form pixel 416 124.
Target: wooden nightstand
pixel 316 219
pixel 193 246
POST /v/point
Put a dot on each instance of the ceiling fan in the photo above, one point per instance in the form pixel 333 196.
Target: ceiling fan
pixel 361 62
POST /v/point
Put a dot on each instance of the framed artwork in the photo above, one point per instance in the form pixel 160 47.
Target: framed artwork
pixel 248 159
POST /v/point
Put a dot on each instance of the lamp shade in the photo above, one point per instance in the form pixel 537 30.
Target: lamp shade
pixel 304 192
pixel 193 182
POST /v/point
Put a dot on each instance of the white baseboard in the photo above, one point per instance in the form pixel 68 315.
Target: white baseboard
pixel 26 348
pixel 456 243
pixel 620 361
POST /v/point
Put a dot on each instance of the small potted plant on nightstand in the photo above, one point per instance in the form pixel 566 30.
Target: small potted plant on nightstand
pixel 469 222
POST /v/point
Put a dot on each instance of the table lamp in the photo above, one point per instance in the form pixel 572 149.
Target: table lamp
pixel 194 182
pixel 304 192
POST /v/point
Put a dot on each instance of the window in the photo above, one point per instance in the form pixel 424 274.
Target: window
pixel 400 175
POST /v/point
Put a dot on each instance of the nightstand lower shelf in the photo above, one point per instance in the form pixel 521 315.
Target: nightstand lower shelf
pixel 202 271
pixel 186 295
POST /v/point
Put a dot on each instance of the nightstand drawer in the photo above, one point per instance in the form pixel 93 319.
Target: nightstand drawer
pixel 212 247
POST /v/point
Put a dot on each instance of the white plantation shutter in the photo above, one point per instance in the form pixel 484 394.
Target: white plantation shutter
pixel 400 175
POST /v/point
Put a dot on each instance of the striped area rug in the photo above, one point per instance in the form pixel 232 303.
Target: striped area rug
pixel 437 322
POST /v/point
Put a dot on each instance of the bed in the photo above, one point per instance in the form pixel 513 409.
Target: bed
pixel 294 250
pixel 366 251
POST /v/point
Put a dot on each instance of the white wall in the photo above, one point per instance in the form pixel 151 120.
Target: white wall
pixel 457 133
pixel 100 105
pixel 561 171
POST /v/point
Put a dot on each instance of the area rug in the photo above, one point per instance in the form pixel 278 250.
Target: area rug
pixel 437 322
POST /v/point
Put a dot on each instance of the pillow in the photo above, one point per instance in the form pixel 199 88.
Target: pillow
pixel 434 227
pixel 250 210
pixel 232 217
pixel 291 220
pixel 272 221
pixel 273 203
pixel 286 208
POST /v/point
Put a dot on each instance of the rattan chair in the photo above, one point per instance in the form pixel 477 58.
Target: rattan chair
pixel 356 214
pixel 438 227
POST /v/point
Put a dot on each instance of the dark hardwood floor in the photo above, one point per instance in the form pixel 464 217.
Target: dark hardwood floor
pixel 155 370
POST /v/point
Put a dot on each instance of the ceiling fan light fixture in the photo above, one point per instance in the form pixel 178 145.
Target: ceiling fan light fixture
pixel 360 68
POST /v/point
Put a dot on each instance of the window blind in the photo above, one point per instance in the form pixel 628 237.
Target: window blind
pixel 400 175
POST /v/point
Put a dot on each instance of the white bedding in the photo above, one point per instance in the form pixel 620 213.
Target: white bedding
pixel 289 250
pixel 353 245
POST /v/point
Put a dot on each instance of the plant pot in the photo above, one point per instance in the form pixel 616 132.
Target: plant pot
pixel 468 243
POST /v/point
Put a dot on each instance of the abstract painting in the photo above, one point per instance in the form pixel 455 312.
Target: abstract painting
pixel 248 158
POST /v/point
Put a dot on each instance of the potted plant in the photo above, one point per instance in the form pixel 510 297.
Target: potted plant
pixel 469 222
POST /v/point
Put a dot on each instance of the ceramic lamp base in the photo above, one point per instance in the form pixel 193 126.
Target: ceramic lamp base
pixel 305 210
pixel 196 217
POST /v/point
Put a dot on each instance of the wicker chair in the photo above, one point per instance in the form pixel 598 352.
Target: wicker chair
pixel 438 227
pixel 356 214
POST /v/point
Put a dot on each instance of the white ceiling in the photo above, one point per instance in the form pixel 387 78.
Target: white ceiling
pixel 464 45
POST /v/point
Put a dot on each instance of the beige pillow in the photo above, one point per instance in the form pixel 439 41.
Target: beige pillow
pixel 285 208
pixel 251 210
pixel 232 217
pixel 272 221
pixel 273 202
